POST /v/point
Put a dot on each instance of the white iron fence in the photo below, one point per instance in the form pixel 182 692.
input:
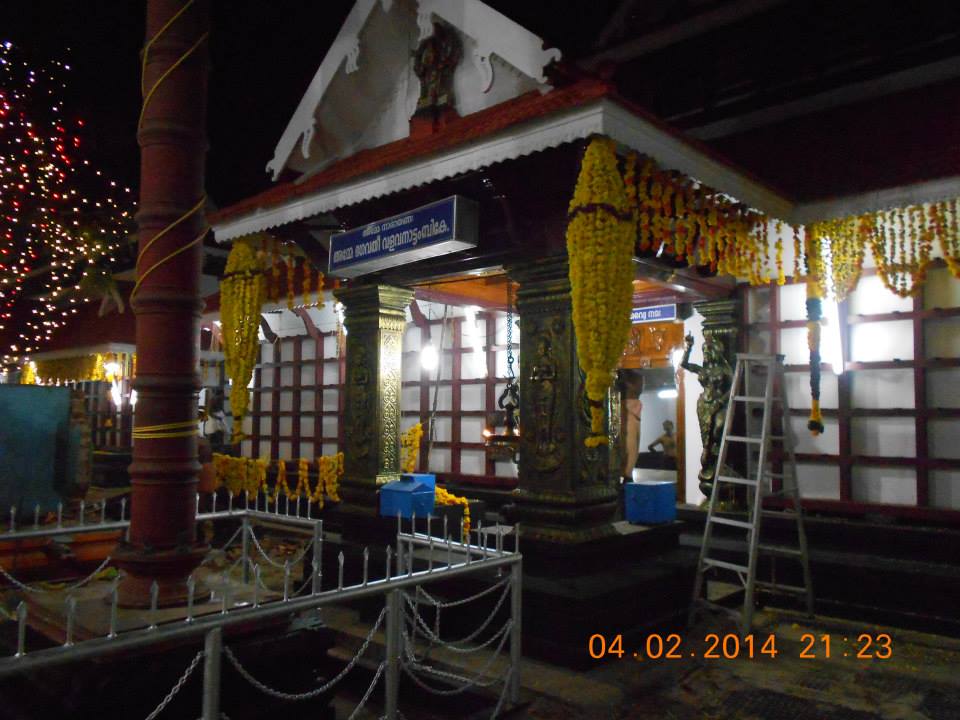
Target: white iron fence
pixel 401 586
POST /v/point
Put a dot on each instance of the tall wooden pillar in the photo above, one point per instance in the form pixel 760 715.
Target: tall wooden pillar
pixel 163 544
pixel 374 318
pixel 565 494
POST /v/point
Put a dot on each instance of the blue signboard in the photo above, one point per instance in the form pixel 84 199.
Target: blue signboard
pixel 439 228
pixel 653 313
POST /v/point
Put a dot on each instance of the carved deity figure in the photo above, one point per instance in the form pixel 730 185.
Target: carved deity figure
pixel 434 63
pixel 544 379
pixel 715 376
pixel 359 431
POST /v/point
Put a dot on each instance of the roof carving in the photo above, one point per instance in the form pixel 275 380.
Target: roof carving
pixel 340 115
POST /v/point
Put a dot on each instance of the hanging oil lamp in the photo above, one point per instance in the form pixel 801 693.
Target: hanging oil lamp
pixel 505 445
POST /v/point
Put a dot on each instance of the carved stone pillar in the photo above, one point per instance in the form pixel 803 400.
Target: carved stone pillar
pixel 374 319
pixel 565 494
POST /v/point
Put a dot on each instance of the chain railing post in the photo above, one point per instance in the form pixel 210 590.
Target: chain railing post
pixel 317 557
pixel 245 549
pixel 212 649
pixel 516 611
pixel 394 638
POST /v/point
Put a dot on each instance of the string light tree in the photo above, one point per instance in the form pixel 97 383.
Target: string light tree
pixel 63 224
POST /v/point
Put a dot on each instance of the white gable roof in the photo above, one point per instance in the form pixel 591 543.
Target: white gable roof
pixel 365 91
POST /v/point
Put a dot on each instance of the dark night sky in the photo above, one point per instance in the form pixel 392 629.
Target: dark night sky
pixel 263 55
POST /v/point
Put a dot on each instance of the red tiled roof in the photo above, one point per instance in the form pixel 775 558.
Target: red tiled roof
pixel 457 132
pixel 87 327
pixel 460 131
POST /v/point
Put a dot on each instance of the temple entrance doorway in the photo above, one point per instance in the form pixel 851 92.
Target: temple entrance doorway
pixel 650 388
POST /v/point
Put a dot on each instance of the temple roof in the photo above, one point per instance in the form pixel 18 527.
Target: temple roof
pixel 854 140
pixel 529 123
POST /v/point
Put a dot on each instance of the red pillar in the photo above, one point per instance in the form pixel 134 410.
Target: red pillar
pixel 163 544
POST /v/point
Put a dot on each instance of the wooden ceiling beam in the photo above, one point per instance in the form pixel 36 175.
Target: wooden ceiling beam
pixel 727 14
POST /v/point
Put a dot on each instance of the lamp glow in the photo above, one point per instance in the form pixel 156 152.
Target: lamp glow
pixel 429 357
pixel 667 393
pixel 115 395
pixel 133 398
pixel 470 326
pixel 676 357
pixel 830 344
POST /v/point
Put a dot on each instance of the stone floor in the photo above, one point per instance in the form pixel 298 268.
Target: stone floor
pixel 917 682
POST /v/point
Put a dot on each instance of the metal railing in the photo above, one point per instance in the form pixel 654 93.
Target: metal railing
pixel 401 586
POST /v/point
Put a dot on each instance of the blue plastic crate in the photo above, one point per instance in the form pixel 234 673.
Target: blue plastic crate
pixel 413 494
pixel 649 502
pixel 427 478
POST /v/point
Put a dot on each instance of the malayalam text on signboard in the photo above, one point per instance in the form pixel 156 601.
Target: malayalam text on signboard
pixel 439 228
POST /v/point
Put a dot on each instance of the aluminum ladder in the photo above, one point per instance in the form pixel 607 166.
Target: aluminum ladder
pixel 752 370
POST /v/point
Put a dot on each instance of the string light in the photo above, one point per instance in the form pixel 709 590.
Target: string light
pixel 63 225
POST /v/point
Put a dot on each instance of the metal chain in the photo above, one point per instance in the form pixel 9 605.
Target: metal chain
pixel 475 633
pixel 176 688
pixel 452 648
pixel 411 666
pixel 218 551
pixel 503 693
pixel 280 695
pixel 366 695
pixel 266 557
pixel 67 588
pixel 440 605
pixel 510 371
pixel 436 603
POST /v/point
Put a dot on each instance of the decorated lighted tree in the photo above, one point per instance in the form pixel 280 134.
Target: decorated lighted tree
pixel 63 224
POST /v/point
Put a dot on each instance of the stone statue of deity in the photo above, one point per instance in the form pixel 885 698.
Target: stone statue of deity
pixel 434 62
pixel 544 379
pixel 716 377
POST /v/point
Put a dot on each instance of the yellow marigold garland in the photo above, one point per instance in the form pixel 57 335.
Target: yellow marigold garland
pixel 275 275
pixel 444 497
pixel 410 448
pixel 259 481
pixel 303 479
pixel 600 238
pixel 329 471
pixel 239 475
pixel 681 217
pixel 318 289
pixel 332 481
pixel 281 482
pixel 778 249
pixel 241 297
pixel 291 272
pixel 28 374
pixel 814 297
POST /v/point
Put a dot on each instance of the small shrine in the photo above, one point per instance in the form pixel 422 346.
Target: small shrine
pixel 482 339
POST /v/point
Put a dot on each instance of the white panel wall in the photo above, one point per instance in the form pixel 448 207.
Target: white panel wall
pixel 655 411
pixel 472 395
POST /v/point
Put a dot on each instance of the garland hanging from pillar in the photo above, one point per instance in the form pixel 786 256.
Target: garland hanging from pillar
pixel 242 294
pixel 600 239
